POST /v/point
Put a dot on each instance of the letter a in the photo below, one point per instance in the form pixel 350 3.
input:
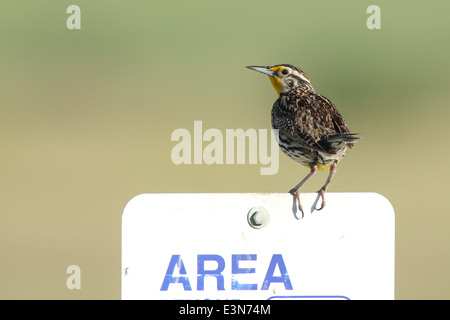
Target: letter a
pixel 176 263
pixel 181 153
pixel 74 21
pixel 74 280
pixel 374 21
pixel 277 260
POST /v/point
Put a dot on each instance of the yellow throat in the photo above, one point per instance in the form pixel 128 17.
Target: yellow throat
pixel 276 82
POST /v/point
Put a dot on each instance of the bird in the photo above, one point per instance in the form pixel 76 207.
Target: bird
pixel 310 128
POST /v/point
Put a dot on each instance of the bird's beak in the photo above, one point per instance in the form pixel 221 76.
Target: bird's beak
pixel 265 70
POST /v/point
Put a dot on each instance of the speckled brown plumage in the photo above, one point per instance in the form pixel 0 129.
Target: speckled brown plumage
pixel 311 129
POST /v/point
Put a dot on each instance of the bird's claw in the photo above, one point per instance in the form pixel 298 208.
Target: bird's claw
pixel 296 195
pixel 321 192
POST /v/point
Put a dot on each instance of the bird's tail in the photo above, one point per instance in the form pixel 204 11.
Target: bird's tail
pixel 348 138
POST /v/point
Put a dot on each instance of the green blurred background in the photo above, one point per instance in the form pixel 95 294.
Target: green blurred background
pixel 86 118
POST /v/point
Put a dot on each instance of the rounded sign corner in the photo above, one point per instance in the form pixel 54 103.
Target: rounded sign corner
pixel 385 201
pixel 132 202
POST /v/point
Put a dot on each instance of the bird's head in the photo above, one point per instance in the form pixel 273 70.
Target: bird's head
pixel 285 77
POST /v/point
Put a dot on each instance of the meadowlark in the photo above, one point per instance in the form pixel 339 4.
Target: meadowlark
pixel 311 129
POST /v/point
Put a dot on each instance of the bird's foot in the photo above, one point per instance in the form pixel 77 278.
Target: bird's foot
pixel 296 195
pixel 321 193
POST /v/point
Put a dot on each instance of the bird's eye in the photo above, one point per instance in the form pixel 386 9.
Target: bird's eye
pixel 285 72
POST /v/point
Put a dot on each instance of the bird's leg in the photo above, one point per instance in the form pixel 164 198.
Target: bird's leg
pixel 325 186
pixel 294 191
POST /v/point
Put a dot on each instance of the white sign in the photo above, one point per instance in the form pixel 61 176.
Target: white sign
pixel 252 246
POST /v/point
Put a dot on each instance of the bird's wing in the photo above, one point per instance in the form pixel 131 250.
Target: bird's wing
pixel 312 119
